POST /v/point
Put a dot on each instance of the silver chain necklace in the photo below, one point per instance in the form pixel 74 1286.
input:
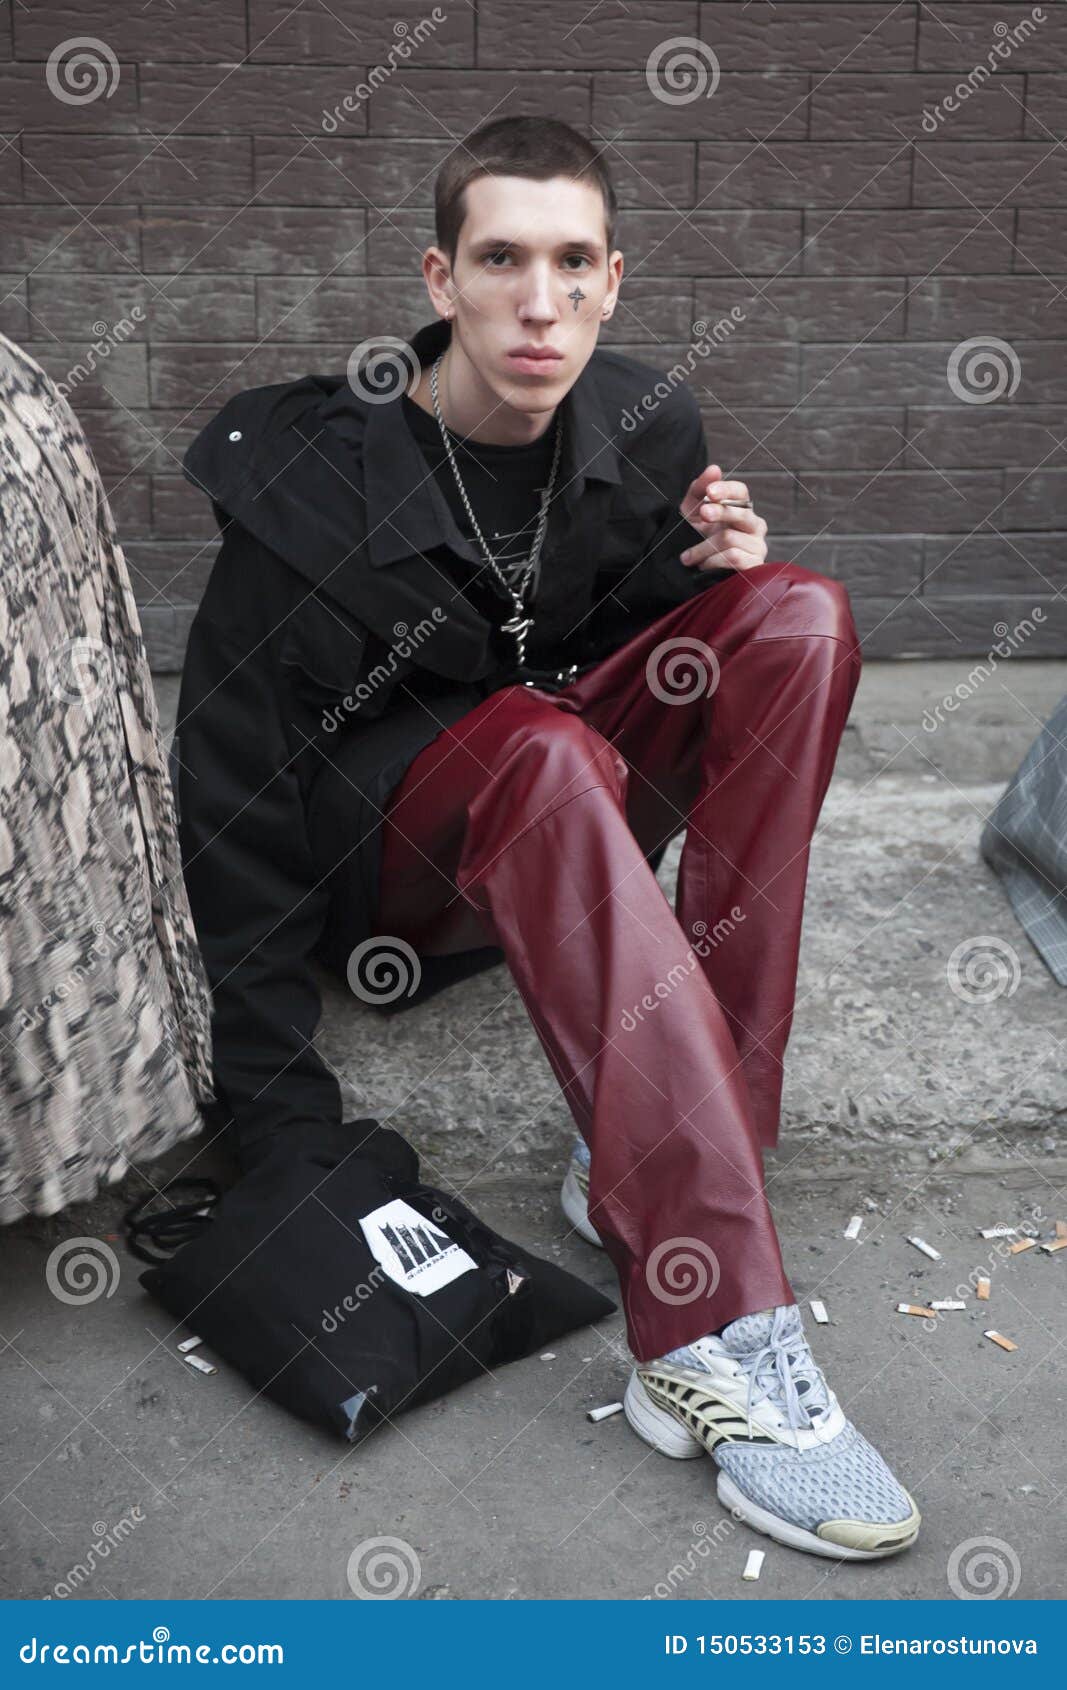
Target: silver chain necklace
pixel 519 623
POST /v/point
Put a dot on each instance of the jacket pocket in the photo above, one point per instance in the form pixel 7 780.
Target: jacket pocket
pixel 322 647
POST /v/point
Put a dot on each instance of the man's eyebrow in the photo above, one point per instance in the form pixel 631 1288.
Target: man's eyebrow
pixel 492 244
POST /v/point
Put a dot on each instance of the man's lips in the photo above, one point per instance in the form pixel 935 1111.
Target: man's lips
pixel 536 354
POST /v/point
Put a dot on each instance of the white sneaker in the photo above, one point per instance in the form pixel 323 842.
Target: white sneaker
pixel 574 1195
pixel 789 1461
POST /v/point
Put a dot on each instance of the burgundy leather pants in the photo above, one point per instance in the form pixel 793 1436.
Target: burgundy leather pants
pixel 526 825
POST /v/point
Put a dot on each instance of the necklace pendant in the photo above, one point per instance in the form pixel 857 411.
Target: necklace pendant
pixel 518 625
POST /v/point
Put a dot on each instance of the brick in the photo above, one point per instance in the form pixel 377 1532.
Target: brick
pixel 1041 242
pixel 1046 107
pixel 215 169
pixel 13 319
pixel 745 105
pixel 565 34
pixel 1011 307
pixel 170 572
pixel 986 436
pixel 173 308
pixel 179 511
pixel 807 308
pixel 810 37
pixel 70 238
pixel 252 99
pixel 847 107
pixel 28 102
pixel 256 239
pixel 10 169
pixel 725 243
pixel 947 626
pixel 730 375
pixel 439 102
pixel 906 243
pixel 194 376
pixel 917 373
pixel 866 563
pixel 1013 563
pixel 984 173
pixel 120 380
pixel 143 440
pixel 957 37
pixel 131 505
pixel 797 173
pixel 210 30
pixel 318 35
pixel 166 634
pixel 897 501
pixel 802 438
pixel 1034 499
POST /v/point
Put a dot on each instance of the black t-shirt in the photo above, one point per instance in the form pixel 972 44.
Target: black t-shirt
pixel 504 485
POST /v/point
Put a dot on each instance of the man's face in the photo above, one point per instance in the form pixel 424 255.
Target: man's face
pixel 525 247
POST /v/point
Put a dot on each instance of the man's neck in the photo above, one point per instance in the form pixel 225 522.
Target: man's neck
pixel 473 411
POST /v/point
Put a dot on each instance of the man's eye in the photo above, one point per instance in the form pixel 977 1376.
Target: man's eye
pixel 500 254
pixel 581 256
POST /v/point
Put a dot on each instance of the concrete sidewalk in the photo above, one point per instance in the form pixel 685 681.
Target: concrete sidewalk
pixel 906 1105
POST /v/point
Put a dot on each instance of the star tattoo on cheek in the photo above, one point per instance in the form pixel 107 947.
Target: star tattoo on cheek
pixel 576 296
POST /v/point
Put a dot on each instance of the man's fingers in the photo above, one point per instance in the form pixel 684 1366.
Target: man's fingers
pixel 744 520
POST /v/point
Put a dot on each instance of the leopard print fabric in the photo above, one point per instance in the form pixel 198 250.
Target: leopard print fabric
pixel 105 1043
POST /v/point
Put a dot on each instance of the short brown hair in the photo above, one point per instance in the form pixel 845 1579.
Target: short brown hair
pixel 538 147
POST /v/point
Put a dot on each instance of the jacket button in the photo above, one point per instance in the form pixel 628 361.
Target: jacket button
pixel 235 434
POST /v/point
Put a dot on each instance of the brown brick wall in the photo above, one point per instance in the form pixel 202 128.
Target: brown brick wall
pixel 823 189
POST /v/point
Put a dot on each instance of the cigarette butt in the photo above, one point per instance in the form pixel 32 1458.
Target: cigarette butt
pixel 948 1303
pixel 739 504
pixel 201 1365
pixel 754 1564
pixel 1054 1244
pixel 548 1355
pixel 997 1231
pixel 1021 1244
pixel 189 1344
pixel 603 1413
pixel 982 1291
pixel 915 1308
pixel 927 1249
pixel 852 1230
pixel 1061 1229
pixel 999 1338
pixel 819 1311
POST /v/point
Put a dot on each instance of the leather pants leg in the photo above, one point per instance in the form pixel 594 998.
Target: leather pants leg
pixel 526 824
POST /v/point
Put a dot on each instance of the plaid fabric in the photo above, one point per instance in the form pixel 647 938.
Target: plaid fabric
pixel 1025 841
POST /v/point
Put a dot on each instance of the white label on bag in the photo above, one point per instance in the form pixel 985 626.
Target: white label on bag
pixel 412 1250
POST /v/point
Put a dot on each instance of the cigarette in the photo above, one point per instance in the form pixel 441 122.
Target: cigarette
pixel 999 1338
pixel 927 1249
pixel 915 1308
pixel 983 1290
pixel 819 1311
pixel 949 1303
pixel 852 1230
pixel 1061 1229
pixel 189 1344
pixel 1021 1244
pixel 754 1564
pixel 740 504
pixel 201 1365
pixel 997 1231
pixel 603 1413
pixel 1054 1244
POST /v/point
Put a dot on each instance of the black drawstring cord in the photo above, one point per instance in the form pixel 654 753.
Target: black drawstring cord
pixel 165 1230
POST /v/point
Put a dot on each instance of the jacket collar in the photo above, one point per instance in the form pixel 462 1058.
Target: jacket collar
pixel 421 517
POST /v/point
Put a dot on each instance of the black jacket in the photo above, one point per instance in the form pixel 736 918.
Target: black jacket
pixel 329 628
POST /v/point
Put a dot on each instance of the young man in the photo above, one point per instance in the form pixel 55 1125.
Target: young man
pixel 469 657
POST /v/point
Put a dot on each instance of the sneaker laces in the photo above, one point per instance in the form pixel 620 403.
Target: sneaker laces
pixel 783 1371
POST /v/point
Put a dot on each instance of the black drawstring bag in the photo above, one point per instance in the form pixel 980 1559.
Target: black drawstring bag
pixel 348 1291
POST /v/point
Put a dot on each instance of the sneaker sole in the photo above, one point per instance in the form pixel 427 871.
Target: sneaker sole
pixel 664 1433
pixel 574 1207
